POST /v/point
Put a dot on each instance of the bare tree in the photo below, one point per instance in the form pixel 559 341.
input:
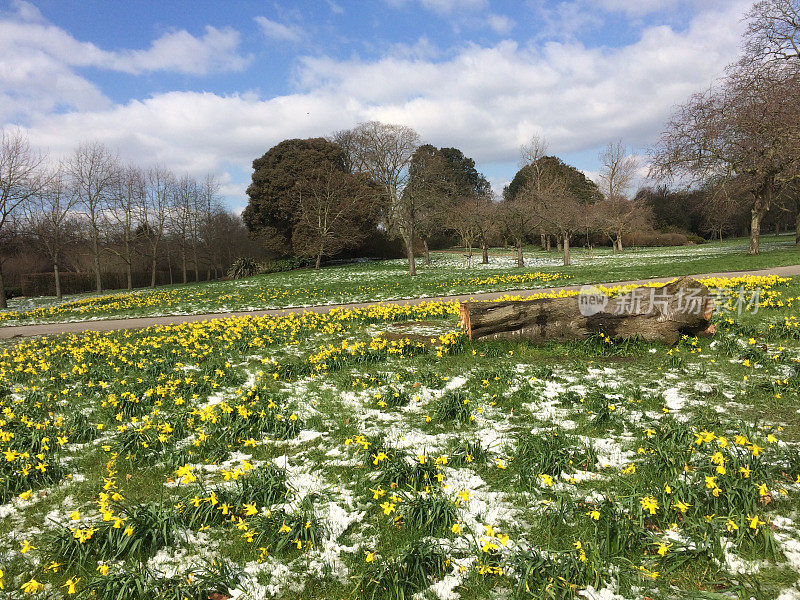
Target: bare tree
pixel 618 217
pixel 561 212
pixel 531 151
pixel 773 32
pixel 747 128
pixel 333 207
pixel 618 170
pixel 154 211
pixel 20 181
pixel 122 213
pixel 181 218
pixel 50 220
pixel 210 208
pixel 92 170
pixel 384 152
pixel 722 207
pixel 531 154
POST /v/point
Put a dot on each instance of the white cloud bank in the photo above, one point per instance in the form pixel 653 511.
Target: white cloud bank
pixel 485 100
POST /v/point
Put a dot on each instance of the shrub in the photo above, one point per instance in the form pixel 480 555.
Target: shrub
pixel 243 267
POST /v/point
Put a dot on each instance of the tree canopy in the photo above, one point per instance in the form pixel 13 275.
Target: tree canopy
pixel 552 168
pixel 273 205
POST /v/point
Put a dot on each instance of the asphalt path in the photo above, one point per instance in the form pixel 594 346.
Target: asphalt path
pixel 8 332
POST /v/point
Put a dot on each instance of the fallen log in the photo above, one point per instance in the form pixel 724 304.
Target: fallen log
pixel 660 314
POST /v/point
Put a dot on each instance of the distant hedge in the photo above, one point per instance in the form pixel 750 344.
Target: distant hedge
pixel 43 284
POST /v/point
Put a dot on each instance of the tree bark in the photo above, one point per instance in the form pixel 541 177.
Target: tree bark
pixel 96 252
pixel 520 256
pixel 565 246
pixel 484 252
pixel 797 229
pixel 682 307
pixel 755 231
pixel 318 261
pixel 547 244
pixel 543 242
pixel 153 266
pixel 57 279
pixel 3 301
pixel 427 252
pixel 408 240
pixel 183 265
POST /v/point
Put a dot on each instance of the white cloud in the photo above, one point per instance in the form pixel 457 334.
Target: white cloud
pixel 445 7
pixel 483 100
pixel 336 9
pixel 38 63
pixel 500 23
pixel 278 31
pixel 215 51
pixel 640 8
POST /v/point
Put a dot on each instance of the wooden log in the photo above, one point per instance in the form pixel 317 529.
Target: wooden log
pixel 660 314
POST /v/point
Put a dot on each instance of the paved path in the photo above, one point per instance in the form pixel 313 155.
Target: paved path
pixel 137 323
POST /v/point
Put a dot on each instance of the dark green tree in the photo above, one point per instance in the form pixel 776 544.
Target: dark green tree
pixel 551 168
pixel 273 207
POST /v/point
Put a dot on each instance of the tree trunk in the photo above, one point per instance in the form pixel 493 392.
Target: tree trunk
pixel 755 231
pixel 797 229
pixel 153 266
pixel 57 279
pixel 318 261
pixel 682 307
pixel 619 242
pixel 565 246
pixel 96 252
pixel 196 266
pixel 484 252
pixel 408 240
pixel 543 242
pixel 427 252
pixel 3 301
pixel 183 265
pixel 520 256
pixel 558 244
pixel 547 244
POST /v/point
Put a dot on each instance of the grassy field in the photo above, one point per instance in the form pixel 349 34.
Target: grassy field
pixel 377 453
pixel 387 280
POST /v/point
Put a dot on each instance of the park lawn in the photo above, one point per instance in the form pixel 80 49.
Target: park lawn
pixel 377 453
pixel 387 280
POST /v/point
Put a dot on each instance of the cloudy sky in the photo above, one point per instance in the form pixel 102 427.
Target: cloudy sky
pixel 205 86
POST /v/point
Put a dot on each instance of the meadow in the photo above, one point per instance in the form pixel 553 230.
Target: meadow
pixel 448 274
pixel 377 453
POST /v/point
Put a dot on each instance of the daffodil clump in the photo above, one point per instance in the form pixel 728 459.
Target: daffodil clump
pixel 341 455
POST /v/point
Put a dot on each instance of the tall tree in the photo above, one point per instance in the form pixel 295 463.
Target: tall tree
pixel 122 214
pixel 746 128
pixel 20 181
pixel 617 171
pixel 50 220
pixel 154 212
pixel 272 209
pixel 773 31
pixel 383 151
pixel 333 209
pixel 92 169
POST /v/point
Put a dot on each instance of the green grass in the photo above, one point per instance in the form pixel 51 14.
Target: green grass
pixel 387 280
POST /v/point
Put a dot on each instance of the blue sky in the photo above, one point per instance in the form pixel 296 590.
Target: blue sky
pixel 208 86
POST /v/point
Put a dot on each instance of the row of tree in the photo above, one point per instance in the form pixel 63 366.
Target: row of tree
pixel 732 150
pixel 325 195
pixel 94 201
